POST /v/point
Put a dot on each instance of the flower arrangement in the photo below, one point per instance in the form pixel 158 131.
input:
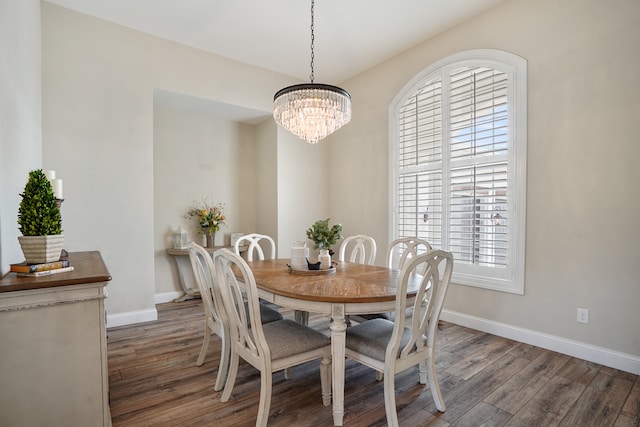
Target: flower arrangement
pixel 322 236
pixel 210 217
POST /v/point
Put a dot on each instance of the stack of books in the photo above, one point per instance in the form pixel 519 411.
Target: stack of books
pixel 45 269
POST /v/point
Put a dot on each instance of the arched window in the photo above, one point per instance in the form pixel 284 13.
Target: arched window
pixel 458 152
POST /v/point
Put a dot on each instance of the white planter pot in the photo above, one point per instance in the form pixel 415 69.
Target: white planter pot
pixel 40 249
pixel 325 259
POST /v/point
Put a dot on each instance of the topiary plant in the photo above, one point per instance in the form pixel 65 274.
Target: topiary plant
pixel 322 236
pixel 39 214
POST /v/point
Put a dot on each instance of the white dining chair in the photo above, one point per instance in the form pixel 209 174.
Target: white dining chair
pixel 215 321
pixel 360 248
pixel 402 249
pixel 204 273
pixel 257 243
pixel 399 252
pixel 255 249
pixel 270 347
pixel 392 347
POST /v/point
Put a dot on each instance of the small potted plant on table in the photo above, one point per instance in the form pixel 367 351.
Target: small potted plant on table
pixel 324 238
pixel 39 221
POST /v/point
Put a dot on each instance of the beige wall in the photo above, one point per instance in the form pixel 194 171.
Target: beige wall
pixel 583 152
pixel 20 116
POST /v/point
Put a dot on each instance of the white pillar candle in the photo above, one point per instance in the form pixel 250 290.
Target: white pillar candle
pixel 56 185
pixel 50 175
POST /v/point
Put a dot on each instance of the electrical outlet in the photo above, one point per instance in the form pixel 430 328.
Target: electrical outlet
pixel 583 315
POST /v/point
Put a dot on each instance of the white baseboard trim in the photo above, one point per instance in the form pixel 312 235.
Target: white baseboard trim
pixel 591 353
pixel 131 317
pixel 167 297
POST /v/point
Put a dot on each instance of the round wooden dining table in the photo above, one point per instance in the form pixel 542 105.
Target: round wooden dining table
pixel 350 289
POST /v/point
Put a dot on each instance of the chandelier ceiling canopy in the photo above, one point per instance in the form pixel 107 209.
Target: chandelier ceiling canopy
pixel 312 111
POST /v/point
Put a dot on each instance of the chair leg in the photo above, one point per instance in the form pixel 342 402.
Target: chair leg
pixel 435 387
pixel 325 380
pixel 266 379
pixel 223 368
pixel 390 398
pixel 231 379
pixel 205 345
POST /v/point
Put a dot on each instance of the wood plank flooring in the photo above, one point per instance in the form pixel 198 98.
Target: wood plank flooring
pixel 485 380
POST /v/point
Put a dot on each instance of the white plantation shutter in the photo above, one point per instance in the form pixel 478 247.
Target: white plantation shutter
pixel 459 139
pixel 477 195
pixel 421 127
pixel 420 206
pixel 478 143
pixel 420 184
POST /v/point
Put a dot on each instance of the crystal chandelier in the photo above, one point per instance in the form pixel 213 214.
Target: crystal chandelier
pixel 312 110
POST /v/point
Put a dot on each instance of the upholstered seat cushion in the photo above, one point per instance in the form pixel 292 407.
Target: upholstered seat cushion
pixel 267 314
pixel 389 315
pixel 372 337
pixel 288 338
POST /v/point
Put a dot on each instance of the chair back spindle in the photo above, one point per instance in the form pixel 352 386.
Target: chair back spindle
pixel 362 249
pixel 255 248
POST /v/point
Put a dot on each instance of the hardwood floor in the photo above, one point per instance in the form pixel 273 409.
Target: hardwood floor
pixel 485 380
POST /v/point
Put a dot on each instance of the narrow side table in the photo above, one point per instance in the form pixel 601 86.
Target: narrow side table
pixel 185 274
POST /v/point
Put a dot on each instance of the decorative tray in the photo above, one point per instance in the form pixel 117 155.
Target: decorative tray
pixel 307 272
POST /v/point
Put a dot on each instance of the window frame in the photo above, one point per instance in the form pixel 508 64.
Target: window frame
pixel 510 279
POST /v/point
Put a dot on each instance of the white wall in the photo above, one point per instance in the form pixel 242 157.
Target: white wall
pixel 20 116
pixel 303 188
pixel 266 180
pixel 197 157
pixel 98 123
pixel 583 151
pixel 127 157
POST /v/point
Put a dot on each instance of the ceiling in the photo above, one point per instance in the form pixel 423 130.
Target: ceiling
pixel 351 36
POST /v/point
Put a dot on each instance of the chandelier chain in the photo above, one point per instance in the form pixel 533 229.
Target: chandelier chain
pixel 312 41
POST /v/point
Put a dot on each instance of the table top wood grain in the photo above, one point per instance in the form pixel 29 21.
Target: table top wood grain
pixel 351 283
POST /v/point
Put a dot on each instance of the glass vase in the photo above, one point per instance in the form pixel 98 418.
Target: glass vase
pixel 211 240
